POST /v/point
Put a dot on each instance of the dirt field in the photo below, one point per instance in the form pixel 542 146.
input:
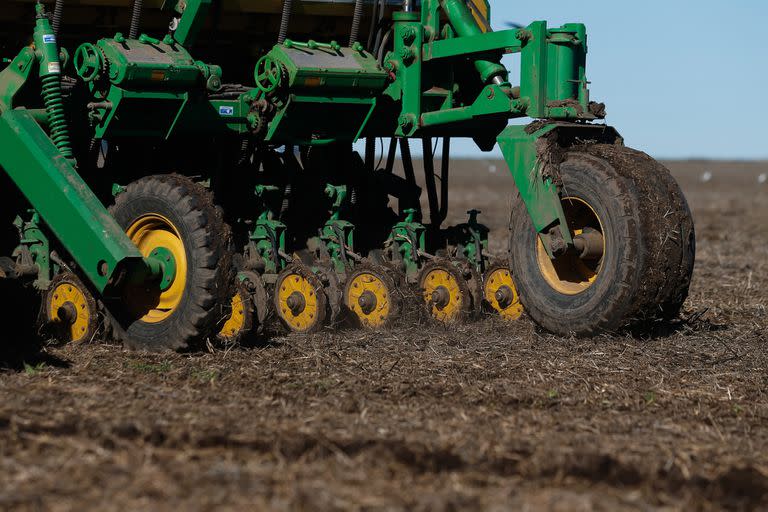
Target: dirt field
pixel 484 416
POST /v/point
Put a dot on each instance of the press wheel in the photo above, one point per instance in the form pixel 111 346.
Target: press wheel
pixel 501 294
pixel 445 291
pixel 70 310
pixel 239 320
pixel 371 295
pixel 300 301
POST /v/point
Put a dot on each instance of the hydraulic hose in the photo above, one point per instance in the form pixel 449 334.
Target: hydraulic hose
pixel 285 20
pixel 58 15
pixel 379 25
pixel 133 32
pixel 372 31
pixel 357 17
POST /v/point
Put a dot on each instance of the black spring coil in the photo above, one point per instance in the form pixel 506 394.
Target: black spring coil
pixel 58 15
pixel 357 17
pixel 133 33
pixel 57 121
pixel 285 21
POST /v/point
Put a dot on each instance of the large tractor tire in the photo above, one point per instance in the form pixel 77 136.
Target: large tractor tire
pixel 177 217
pixel 648 247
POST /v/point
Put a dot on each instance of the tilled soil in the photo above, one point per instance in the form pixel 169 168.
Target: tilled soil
pixel 483 416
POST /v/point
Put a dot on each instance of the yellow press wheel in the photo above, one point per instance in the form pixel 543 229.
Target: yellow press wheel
pixel 372 297
pixel 239 319
pixel 300 300
pixel 70 310
pixel 501 294
pixel 446 292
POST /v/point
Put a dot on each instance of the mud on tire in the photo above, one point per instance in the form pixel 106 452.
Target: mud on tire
pixel 648 230
pixel 206 240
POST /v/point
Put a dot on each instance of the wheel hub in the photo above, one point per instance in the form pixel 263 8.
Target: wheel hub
pixel 168 264
pixel 504 296
pixel 441 297
pixel 156 237
pixel 67 313
pixel 575 271
pixel 367 302
pixel 296 303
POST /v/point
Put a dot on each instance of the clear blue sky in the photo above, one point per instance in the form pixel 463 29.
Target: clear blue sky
pixel 680 78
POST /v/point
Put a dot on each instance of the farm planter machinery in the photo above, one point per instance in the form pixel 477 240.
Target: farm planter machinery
pixel 223 147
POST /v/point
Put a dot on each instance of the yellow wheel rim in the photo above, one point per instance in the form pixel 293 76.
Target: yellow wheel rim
pixel 298 287
pixel 68 292
pixel 368 286
pixel 442 280
pixel 236 322
pixel 569 274
pixel 501 294
pixel 148 233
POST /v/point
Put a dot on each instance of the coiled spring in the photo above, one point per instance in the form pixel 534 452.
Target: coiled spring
pixel 57 121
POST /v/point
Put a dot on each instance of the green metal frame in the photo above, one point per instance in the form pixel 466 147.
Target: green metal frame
pixel 415 93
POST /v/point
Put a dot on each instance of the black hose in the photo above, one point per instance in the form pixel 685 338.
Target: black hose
pixel 285 20
pixel 58 14
pixel 380 26
pixel 357 17
pixel 383 47
pixel 133 33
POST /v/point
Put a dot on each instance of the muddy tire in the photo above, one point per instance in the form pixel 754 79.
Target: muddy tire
pixel 644 273
pixel 173 211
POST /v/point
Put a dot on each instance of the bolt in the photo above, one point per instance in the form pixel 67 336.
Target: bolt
pixel 407 54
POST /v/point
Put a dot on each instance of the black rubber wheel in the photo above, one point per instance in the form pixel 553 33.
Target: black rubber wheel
pixel 645 270
pixel 182 211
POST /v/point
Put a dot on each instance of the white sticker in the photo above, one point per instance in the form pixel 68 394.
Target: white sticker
pixel 226 111
pixel 54 67
pixel 49 39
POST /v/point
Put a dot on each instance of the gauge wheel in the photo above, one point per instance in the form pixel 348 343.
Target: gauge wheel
pixel 300 300
pixel 172 218
pixel 372 297
pixel 70 310
pixel 638 246
pixel 500 293
pixel 446 292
